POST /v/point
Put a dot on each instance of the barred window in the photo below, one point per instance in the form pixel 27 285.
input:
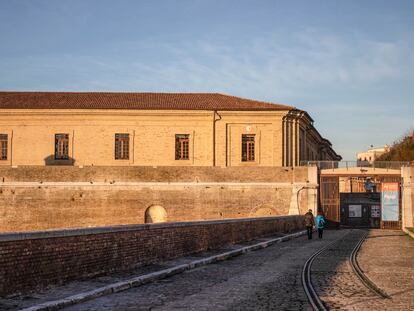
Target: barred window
pixel 3 146
pixel 122 146
pixel 248 147
pixel 182 146
pixel 61 146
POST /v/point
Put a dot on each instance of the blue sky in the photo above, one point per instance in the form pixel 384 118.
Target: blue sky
pixel 350 64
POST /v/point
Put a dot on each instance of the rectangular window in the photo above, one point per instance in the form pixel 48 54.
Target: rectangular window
pixel 182 146
pixel 61 146
pixel 248 147
pixel 121 146
pixel 3 146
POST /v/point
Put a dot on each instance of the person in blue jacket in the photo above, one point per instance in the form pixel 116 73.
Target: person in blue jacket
pixel 320 223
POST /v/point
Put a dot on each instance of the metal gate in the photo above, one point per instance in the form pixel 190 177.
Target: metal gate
pixel 329 199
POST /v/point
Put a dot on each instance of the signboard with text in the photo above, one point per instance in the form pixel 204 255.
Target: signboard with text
pixel 390 201
pixel 375 211
pixel 355 211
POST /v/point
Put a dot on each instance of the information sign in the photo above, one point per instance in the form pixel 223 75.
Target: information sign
pixel 355 211
pixel 375 211
pixel 390 202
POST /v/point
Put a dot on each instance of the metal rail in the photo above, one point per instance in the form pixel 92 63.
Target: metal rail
pixel 313 297
pixel 396 165
pixel 360 274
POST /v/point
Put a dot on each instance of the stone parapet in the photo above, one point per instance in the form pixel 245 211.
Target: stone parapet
pixel 33 260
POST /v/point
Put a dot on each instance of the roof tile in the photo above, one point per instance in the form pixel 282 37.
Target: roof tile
pixel 138 101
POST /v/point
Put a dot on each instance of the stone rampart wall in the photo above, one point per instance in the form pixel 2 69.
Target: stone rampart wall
pixel 41 198
pixel 412 182
pixel 152 174
pixel 33 260
pixel 408 197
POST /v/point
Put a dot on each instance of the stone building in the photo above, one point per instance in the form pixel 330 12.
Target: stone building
pixel 154 129
pixel 71 160
pixel 370 155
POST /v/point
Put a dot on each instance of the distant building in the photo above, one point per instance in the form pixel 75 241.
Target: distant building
pixel 372 154
pixel 154 129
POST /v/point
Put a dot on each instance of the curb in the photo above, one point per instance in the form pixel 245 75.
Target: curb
pixel 154 276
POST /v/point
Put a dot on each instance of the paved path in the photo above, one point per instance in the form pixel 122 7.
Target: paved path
pixel 333 278
pixel 268 279
pixel 386 257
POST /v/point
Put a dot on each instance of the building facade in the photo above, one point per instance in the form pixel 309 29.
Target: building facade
pixel 372 154
pixel 154 129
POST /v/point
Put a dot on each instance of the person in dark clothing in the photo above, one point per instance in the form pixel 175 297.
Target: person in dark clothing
pixel 309 223
pixel 320 223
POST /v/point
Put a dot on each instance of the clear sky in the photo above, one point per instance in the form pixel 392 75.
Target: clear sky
pixel 350 64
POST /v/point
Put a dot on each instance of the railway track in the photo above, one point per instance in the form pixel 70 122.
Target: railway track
pixel 311 293
pixel 360 274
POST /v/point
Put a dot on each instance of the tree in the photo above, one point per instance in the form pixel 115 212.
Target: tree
pixel 401 150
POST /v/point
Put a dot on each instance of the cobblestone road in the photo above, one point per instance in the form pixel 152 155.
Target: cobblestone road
pixel 269 279
pixel 333 278
pixel 386 257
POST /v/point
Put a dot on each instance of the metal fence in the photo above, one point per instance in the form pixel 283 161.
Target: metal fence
pixel 395 165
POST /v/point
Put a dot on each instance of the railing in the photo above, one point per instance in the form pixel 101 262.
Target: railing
pixel 396 165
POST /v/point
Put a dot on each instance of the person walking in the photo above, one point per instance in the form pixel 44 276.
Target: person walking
pixel 320 223
pixel 309 223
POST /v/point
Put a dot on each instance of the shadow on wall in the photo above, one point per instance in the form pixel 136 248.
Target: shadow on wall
pixel 51 161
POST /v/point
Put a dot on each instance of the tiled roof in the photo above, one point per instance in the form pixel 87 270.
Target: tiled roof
pixel 144 101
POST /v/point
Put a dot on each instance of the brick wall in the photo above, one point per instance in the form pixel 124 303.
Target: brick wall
pixel 34 260
pixel 40 198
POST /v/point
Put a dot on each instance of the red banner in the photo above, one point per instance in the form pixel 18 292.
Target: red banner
pixel 390 186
